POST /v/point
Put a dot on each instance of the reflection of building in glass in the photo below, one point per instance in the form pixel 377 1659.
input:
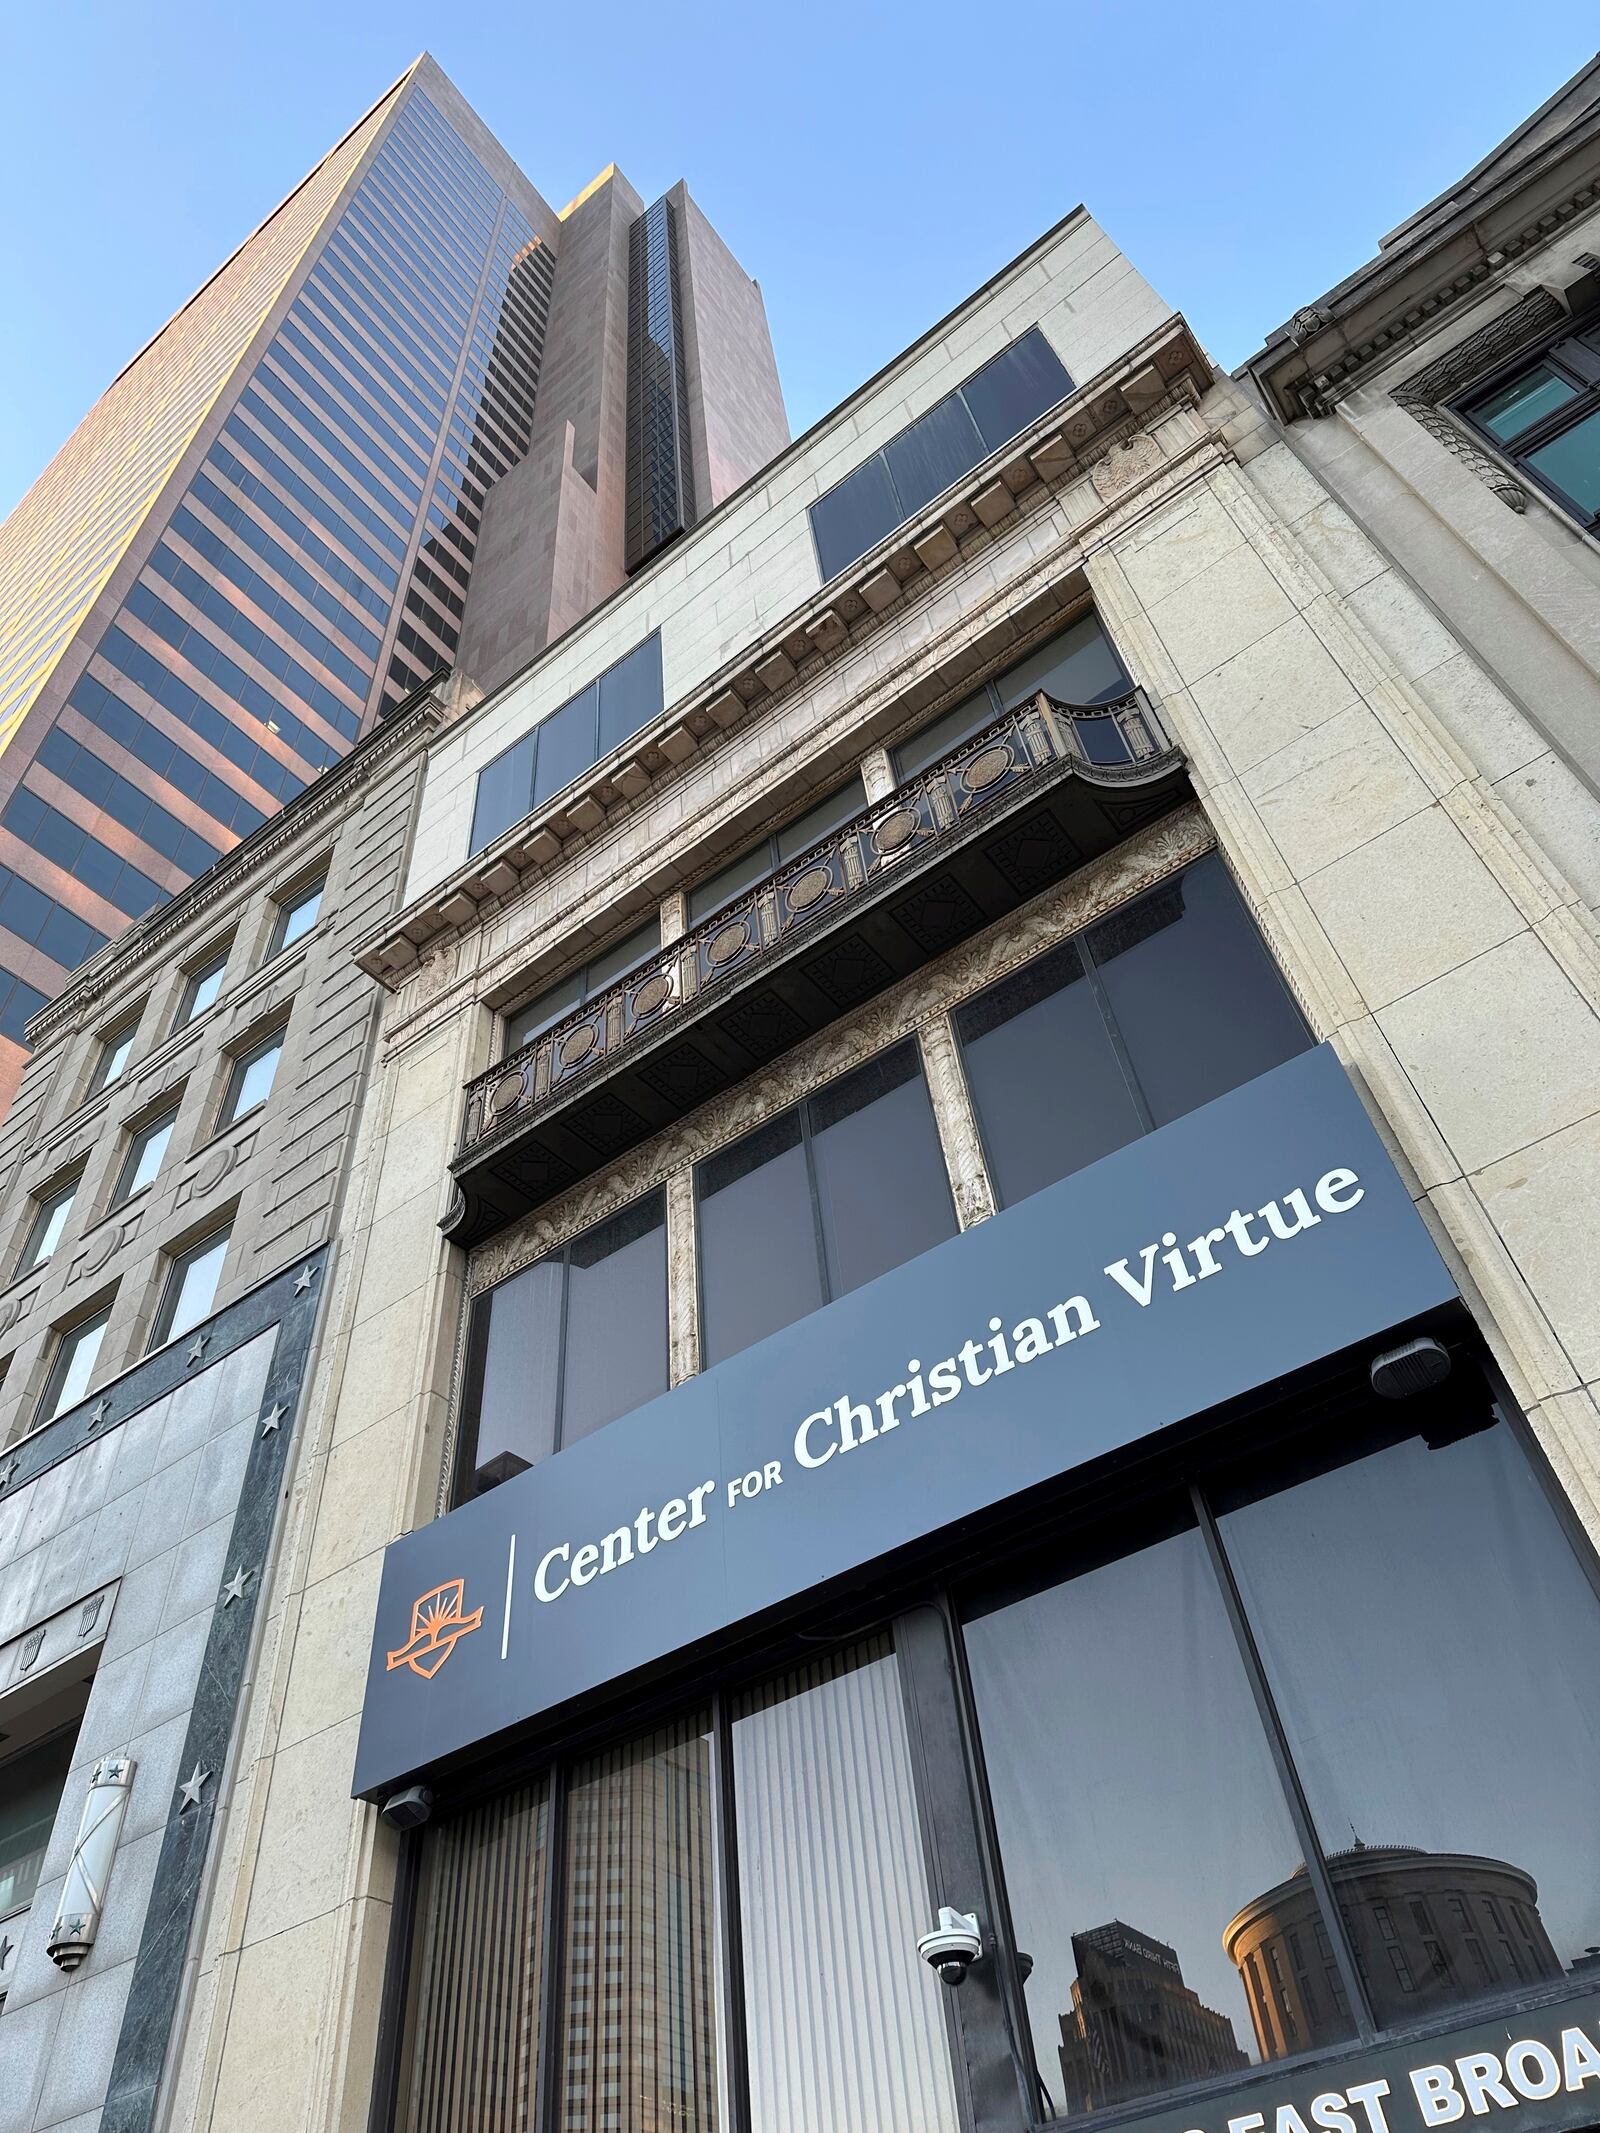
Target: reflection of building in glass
pixel 1425 1927
pixel 1134 2026
pixel 640 2032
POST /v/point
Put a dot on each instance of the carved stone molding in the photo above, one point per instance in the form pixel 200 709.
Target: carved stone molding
pixel 1426 394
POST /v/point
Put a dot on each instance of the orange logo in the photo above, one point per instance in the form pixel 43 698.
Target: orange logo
pixel 437 1625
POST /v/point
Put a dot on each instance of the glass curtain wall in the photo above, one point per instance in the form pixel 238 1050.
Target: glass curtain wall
pixel 343 492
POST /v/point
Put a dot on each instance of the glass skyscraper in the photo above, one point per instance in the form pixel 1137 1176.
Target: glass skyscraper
pixel 262 534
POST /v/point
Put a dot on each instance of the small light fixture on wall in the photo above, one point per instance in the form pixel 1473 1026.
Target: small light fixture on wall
pixel 83 1893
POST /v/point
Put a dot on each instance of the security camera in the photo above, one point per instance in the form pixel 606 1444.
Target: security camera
pixel 953 1946
pixel 408 1809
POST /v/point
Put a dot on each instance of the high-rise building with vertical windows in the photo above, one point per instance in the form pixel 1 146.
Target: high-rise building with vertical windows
pixel 261 537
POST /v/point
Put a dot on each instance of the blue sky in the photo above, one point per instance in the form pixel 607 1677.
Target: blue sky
pixel 870 164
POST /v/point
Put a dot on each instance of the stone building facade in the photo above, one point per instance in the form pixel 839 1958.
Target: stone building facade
pixel 173 1169
pixel 1059 806
pixel 1293 716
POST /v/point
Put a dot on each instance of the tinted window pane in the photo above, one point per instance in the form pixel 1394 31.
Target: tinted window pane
pixel 114 1056
pixel 252 1078
pixel 854 516
pixel 625 956
pixel 517 1343
pixel 204 987
pixel 73 1367
pixel 823 1786
pixel 566 746
pixel 144 1155
pixel 1015 389
pixel 820 821
pixel 758 1240
pixel 881 1179
pixel 630 695
pixel 1138 1813
pixel 1197 999
pixel 741 874
pixel 616 1353
pixel 45 1231
pixel 1433 1646
pixel 1572 462
pixel 1517 407
pixel 505 792
pixel 934 452
pixel 641 1979
pixel 1078 667
pixel 297 917
pixel 541 1013
pixel 947 731
pixel 1046 1083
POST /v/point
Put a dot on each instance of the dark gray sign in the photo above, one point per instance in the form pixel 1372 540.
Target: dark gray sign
pixel 1258 1234
pixel 1534 2067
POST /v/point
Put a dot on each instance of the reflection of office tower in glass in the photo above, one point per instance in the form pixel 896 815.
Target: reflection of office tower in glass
pixel 1426 1927
pixel 1134 2026
pixel 262 535
pixel 639 2031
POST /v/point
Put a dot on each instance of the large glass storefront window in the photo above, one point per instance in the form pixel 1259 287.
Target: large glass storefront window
pixel 1296 1748
pixel 1166 1002
pixel 1434 1648
pixel 1136 1802
pixel 1414 1636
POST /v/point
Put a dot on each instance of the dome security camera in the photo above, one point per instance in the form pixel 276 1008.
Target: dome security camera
pixel 953 1946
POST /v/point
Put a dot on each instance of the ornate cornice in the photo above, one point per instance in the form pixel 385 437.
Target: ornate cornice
pixel 1167 370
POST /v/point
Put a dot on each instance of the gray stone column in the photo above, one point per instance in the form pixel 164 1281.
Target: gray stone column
pixel 683 1321
pixel 957 1123
pixel 674 917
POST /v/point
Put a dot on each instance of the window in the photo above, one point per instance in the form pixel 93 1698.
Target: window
pixel 549 1007
pixel 31 1785
pixel 566 743
pixel 931 454
pixel 297 914
pixel 1166 1002
pixel 1411 1594
pixel 250 1081
pixel 768 854
pixel 44 1232
pixel 191 1287
pixel 201 987
pixel 116 1048
pixel 76 1353
pixel 1078 667
pixel 567 1345
pixel 1545 416
pixel 144 1156
pixel 819 1200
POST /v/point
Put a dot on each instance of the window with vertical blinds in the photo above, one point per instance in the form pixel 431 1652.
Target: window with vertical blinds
pixel 473 2025
pixel 844 2028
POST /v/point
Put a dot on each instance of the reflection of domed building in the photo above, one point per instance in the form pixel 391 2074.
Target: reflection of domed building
pixel 1426 1927
pixel 1134 2026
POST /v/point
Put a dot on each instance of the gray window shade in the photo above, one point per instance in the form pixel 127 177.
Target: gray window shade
pixel 505 792
pixel 819 1200
pixel 1048 1088
pixel 854 515
pixel 566 1345
pixel 1196 997
pixel 1168 1001
pixel 828 1829
pixel 630 694
pixel 881 1181
pixel 616 1339
pixel 1015 389
pixel 758 1239
pixel 1078 667
pixel 926 458
pixel 767 854
pixel 566 746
